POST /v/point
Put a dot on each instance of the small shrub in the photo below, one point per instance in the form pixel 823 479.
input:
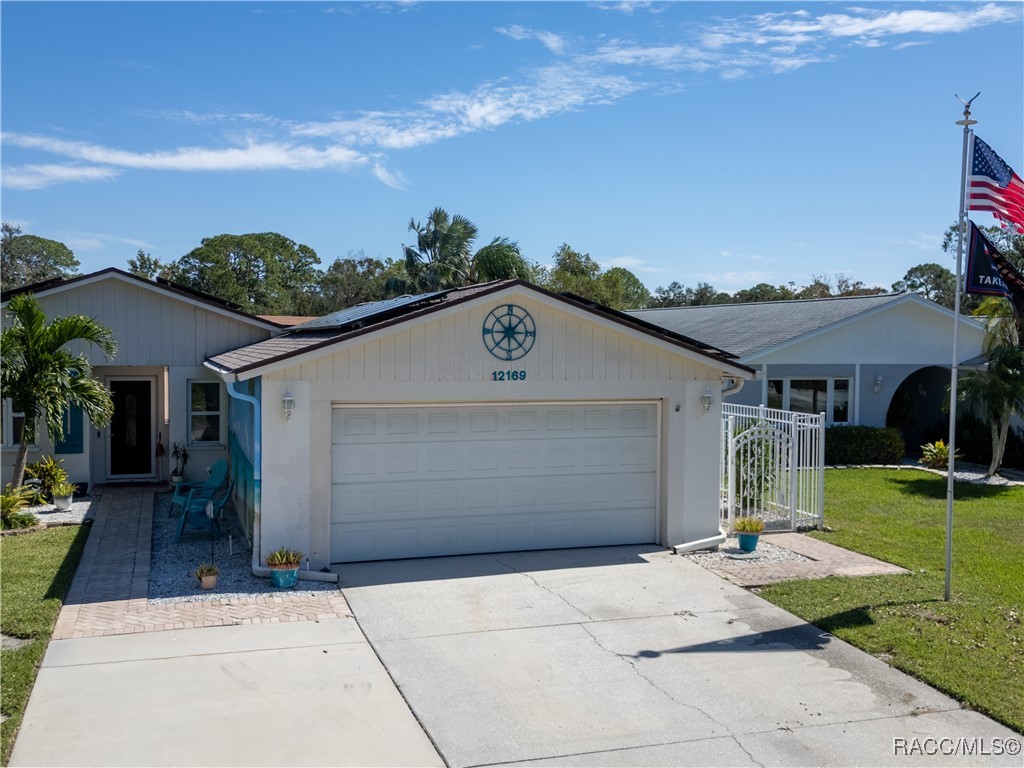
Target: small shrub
pixel 282 556
pixel 936 455
pixel 748 525
pixel 208 569
pixel 863 445
pixel 49 472
pixel 63 488
pixel 12 503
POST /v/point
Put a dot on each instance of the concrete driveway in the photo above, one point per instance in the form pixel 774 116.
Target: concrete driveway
pixel 634 656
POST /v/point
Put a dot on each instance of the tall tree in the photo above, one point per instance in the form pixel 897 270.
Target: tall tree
pixel 27 259
pixel 500 259
pixel 995 395
pixel 932 281
pixel 764 292
pixel 350 281
pixel 623 290
pixel 144 265
pixel 264 273
pixel 441 257
pixel 575 272
pixel 41 376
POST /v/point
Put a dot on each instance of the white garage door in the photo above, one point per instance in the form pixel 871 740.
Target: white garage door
pixel 424 481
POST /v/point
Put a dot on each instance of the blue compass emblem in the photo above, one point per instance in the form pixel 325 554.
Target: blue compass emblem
pixel 509 332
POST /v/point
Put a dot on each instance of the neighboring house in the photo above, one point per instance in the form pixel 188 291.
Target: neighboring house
pixel 872 360
pixel 491 418
pixel 160 388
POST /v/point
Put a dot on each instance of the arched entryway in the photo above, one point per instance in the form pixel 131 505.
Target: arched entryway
pixel 916 408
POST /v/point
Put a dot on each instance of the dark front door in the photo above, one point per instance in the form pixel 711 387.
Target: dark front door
pixel 131 428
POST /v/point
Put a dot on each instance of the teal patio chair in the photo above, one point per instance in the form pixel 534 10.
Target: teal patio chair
pixel 193 511
pixel 207 487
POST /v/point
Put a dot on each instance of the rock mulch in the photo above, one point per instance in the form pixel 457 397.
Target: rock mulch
pixel 172 564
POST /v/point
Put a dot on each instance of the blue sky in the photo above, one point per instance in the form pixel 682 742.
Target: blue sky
pixel 730 143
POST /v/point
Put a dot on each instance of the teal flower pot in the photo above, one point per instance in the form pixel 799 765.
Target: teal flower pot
pixel 284 578
pixel 748 541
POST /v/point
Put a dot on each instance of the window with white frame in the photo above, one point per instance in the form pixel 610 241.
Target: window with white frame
pixel 204 408
pixel 828 396
pixel 11 425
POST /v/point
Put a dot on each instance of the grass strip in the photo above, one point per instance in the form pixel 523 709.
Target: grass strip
pixel 972 647
pixel 36 570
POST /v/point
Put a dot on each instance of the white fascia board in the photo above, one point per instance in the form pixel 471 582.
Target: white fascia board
pixel 909 297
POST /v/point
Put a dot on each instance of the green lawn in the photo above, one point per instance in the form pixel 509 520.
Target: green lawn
pixel 35 572
pixel 972 647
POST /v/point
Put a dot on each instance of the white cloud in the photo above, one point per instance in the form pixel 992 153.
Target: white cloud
pixel 612 69
pixel 394 180
pixel 553 42
pixel 41 176
pixel 94 241
pixel 629 7
pixel 253 156
pixel 633 264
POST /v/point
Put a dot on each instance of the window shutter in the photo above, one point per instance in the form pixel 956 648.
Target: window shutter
pixel 73 432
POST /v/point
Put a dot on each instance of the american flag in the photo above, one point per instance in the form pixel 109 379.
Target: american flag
pixel 994 187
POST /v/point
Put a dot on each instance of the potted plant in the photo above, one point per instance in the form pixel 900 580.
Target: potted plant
pixel 62 492
pixel 181 457
pixel 284 567
pixel 207 575
pixel 748 530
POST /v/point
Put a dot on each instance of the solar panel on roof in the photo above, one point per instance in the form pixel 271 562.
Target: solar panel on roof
pixel 344 317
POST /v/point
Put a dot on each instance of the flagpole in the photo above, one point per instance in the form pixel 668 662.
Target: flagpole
pixel 966 123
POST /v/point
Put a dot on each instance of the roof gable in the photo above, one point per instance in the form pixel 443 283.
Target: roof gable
pixel 161 286
pixel 318 338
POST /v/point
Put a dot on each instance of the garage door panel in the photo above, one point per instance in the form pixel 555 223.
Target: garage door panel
pixel 480 479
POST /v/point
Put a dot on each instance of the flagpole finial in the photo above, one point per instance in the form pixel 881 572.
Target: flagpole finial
pixel 967 109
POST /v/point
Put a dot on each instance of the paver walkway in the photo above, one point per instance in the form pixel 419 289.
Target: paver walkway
pixel 824 560
pixel 108 594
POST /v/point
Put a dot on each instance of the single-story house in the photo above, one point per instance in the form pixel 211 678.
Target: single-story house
pixel 871 360
pixel 491 418
pixel 161 390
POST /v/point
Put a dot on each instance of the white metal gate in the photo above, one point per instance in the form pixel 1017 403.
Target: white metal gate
pixel 772 465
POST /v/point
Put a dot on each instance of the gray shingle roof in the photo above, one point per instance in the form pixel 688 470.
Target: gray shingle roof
pixel 744 329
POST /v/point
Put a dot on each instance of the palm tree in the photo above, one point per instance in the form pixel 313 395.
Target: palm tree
pixel 443 256
pixel 41 376
pixel 499 260
pixel 995 394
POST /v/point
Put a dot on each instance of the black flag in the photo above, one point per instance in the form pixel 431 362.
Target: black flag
pixel 990 273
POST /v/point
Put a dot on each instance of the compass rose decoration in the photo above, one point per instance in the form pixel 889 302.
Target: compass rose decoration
pixel 509 332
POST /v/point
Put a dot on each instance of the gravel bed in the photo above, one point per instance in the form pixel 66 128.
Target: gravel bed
pixel 172 565
pixel 769 553
pixel 82 509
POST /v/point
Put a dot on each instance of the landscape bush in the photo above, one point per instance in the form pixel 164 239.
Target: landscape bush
pixel 863 445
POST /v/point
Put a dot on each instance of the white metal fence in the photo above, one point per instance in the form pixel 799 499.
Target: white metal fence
pixel 772 464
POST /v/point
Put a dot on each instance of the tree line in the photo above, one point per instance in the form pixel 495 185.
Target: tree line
pixel 270 274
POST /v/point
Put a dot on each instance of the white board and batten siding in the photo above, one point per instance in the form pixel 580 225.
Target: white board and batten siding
pixel 404 444
pixel 569 348
pixel 152 327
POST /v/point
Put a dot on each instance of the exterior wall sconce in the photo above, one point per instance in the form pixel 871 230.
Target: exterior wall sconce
pixel 287 404
pixel 707 400
pixel 878 384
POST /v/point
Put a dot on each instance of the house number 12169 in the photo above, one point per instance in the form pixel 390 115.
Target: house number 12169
pixel 508 375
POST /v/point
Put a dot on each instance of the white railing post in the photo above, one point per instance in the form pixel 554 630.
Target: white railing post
pixel 794 471
pixel 820 511
pixel 731 500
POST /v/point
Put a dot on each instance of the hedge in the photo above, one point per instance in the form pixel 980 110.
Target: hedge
pixel 863 445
